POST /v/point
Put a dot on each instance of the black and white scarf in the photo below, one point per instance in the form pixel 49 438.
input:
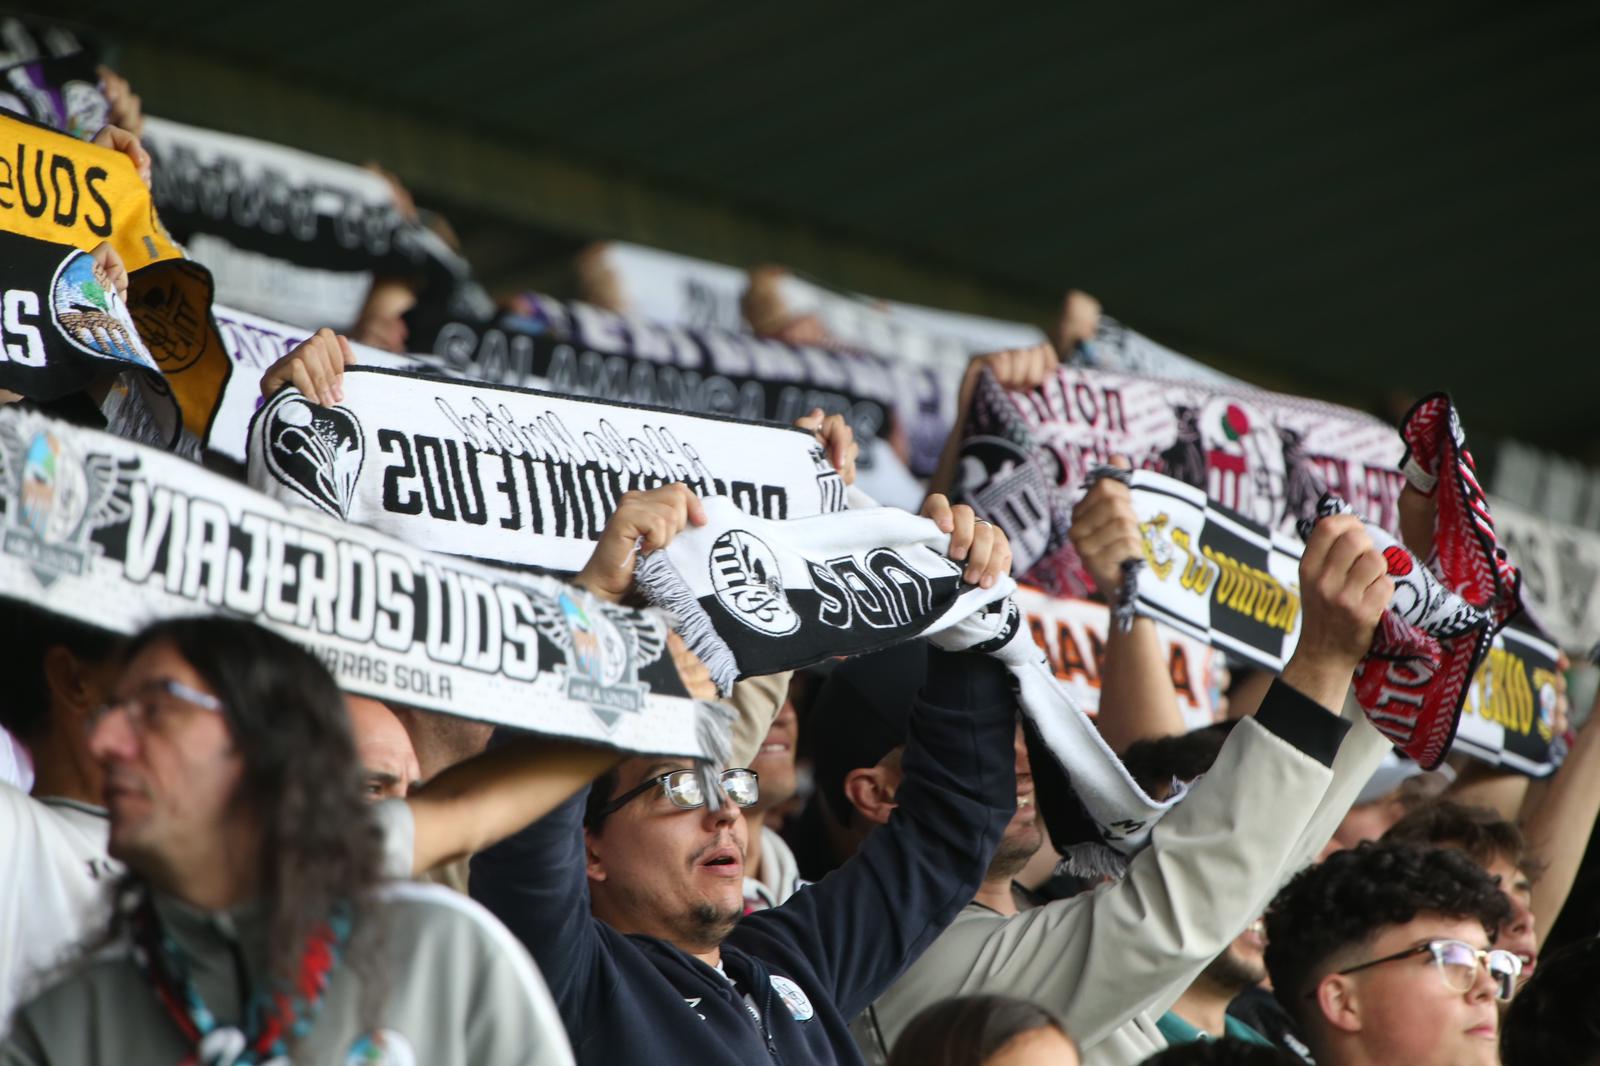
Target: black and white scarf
pixel 579 350
pixel 288 234
pixel 511 475
pixel 755 597
pixel 105 532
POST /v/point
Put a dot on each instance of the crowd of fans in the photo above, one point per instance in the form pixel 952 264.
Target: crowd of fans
pixel 225 859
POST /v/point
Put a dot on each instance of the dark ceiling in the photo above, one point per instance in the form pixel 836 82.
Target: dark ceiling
pixel 1359 199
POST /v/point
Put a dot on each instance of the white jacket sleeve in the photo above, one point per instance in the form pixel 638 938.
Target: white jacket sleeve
pixel 1100 959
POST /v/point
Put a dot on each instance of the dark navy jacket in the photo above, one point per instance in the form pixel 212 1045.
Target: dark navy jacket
pixel 634 999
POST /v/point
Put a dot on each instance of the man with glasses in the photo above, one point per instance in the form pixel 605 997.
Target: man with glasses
pixel 252 926
pixel 1382 954
pixel 630 897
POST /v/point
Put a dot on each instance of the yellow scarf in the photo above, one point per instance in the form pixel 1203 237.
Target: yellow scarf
pixel 60 189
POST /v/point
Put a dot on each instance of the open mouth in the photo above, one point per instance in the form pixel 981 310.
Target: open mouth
pixel 723 861
pixel 776 748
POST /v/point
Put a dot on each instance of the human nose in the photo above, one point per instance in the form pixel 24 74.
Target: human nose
pixel 112 734
pixel 723 814
pixel 1020 750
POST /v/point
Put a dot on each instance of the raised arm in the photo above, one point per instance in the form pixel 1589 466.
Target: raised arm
pixel 1137 700
pixel 1559 819
pixel 1014 368
pixel 1216 859
pixel 865 922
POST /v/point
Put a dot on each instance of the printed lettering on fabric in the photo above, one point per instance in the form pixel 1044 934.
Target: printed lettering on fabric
pixel 1508 718
pixel 104 531
pixel 1265 456
pixel 57 188
pixel 63 328
pixel 1214 575
pixel 578 350
pixel 285 233
pixel 751 596
pixel 1073 635
pixel 62 92
pixel 512 475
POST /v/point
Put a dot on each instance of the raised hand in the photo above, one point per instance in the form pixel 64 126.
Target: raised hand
pixel 981 545
pixel 315 366
pixel 642 522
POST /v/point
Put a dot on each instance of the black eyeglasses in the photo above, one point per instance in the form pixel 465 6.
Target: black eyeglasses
pixel 144 704
pixel 682 787
pixel 1457 963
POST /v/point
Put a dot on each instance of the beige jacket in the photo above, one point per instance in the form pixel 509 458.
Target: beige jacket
pixel 1109 963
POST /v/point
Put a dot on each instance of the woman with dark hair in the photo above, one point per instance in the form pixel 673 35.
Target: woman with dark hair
pixel 984 1031
pixel 252 926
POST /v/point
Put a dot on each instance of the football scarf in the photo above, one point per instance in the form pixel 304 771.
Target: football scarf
pixel 253 344
pixel 1508 717
pixel 578 350
pixel 273 1020
pixel 62 92
pixel 754 597
pixel 69 192
pixel 1445 613
pixel 516 476
pixel 1209 572
pixel 287 234
pixel 1265 456
pixel 65 328
pixel 105 532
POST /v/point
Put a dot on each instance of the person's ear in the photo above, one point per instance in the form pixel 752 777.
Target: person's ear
pixel 593 865
pixel 871 792
pixel 1339 1003
pixel 70 682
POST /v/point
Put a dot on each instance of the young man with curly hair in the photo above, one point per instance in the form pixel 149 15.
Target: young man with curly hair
pixel 1383 955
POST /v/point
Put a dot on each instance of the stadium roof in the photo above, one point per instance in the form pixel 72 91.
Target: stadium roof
pixel 1356 200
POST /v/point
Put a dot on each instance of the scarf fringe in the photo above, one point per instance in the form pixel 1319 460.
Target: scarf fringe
pixel 1092 861
pixel 666 590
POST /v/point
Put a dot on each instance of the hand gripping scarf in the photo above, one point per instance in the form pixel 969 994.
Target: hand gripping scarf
pixel 515 476
pixel 110 534
pixel 1447 611
pixel 754 597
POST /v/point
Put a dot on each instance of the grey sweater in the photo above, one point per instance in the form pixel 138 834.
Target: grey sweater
pixel 460 990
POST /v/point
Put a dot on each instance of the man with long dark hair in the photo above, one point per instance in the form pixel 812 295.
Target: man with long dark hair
pixel 251 925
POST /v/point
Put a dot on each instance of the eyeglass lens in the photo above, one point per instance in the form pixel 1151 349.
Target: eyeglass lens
pixel 1459 962
pixel 683 788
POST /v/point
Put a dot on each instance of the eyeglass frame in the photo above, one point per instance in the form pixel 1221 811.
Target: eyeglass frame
pixel 139 711
pixel 1480 959
pixel 661 779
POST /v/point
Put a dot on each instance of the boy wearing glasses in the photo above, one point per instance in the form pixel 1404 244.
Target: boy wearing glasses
pixel 1382 955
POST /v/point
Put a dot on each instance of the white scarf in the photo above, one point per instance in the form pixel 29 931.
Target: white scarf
pixel 515 476
pixel 115 535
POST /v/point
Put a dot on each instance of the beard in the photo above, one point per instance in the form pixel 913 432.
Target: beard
pixel 1017 846
pixel 1234 972
pixel 709 925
